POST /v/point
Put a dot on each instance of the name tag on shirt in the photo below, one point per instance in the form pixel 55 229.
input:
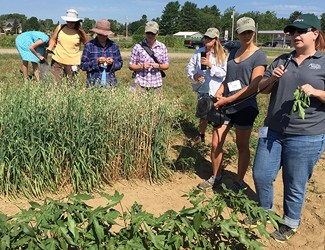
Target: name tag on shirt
pixel 74 68
pixel 234 85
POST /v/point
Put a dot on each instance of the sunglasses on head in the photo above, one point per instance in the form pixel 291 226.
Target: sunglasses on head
pixel 300 31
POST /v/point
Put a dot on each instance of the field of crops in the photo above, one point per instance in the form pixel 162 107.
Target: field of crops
pixel 62 137
pixel 59 137
pixel 68 140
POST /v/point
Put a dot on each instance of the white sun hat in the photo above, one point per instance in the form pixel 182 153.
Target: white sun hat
pixel 72 16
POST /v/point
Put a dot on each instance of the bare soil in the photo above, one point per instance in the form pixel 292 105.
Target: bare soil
pixel 158 198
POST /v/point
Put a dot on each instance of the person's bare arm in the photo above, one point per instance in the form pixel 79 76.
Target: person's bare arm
pixel 34 46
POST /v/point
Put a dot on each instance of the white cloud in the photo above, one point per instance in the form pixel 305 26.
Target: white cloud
pixel 284 10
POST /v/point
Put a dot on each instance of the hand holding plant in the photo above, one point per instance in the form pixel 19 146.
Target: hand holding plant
pixel 301 103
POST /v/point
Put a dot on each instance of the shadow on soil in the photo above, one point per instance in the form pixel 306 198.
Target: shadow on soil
pixel 193 159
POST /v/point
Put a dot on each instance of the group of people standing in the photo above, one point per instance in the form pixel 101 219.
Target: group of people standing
pixel 101 57
pixel 286 140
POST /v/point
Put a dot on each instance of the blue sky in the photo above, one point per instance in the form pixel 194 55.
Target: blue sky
pixel 134 9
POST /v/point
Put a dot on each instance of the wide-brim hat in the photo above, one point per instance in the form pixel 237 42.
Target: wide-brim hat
pixel 103 27
pixel 304 21
pixel 212 33
pixel 245 23
pixel 72 16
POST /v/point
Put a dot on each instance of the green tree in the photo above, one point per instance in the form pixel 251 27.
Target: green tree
pixel 169 23
pixel 139 31
pixel 88 24
pixel 45 25
pixel 266 21
pixel 122 29
pixel 2 24
pixel 209 17
pixel 226 21
pixel 15 27
pixel 34 23
pixel 293 16
pixel 322 21
pixel 282 22
pixel 22 18
pixel 189 16
pixel 114 26
pixel 26 26
pixel 136 24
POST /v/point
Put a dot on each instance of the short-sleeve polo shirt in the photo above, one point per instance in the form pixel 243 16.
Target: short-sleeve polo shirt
pixel 310 71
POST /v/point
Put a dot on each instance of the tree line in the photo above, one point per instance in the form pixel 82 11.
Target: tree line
pixel 175 17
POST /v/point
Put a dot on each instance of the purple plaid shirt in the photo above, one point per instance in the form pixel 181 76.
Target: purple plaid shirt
pixel 92 51
pixel 149 77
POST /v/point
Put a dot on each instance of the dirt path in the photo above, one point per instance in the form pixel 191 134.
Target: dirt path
pixel 8 51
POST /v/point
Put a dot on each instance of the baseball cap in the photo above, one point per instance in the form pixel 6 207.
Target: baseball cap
pixel 212 33
pixel 304 21
pixel 152 27
pixel 245 23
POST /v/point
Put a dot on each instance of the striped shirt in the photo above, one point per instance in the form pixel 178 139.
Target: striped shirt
pixel 92 51
pixel 149 77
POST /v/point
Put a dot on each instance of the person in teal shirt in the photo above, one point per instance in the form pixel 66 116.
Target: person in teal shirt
pixel 31 47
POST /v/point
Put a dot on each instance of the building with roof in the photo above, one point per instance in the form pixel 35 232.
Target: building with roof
pixel 10 23
pixel 282 39
pixel 188 34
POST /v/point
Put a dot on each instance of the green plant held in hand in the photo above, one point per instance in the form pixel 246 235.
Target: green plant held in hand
pixel 301 103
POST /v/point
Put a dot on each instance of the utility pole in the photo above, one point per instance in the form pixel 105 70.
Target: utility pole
pixel 232 26
pixel 256 31
pixel 126 27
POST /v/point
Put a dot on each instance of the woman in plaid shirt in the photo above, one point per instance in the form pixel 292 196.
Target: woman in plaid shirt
pixel 148 72
pixel 101 57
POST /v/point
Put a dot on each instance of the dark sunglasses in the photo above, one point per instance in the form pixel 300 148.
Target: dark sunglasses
pixel 150 33
pixel 300 31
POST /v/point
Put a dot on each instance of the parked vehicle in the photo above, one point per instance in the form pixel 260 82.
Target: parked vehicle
pixel 193 44
pixel 269 44
pixel 222 42
pixel 229 46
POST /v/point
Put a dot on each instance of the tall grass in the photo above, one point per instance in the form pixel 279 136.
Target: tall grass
pixel 80 139
pixel 76 139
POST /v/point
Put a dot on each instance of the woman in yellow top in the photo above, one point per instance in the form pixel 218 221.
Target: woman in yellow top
pixel 67 41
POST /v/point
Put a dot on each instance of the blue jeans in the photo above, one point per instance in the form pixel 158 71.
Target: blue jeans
pixel 297 155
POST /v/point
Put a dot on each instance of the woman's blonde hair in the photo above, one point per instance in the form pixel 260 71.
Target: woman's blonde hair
pixel 219 52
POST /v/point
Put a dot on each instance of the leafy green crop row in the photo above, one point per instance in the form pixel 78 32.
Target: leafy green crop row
pixel 72 224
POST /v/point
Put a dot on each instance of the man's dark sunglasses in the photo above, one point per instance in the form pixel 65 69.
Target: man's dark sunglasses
pixel 300 31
